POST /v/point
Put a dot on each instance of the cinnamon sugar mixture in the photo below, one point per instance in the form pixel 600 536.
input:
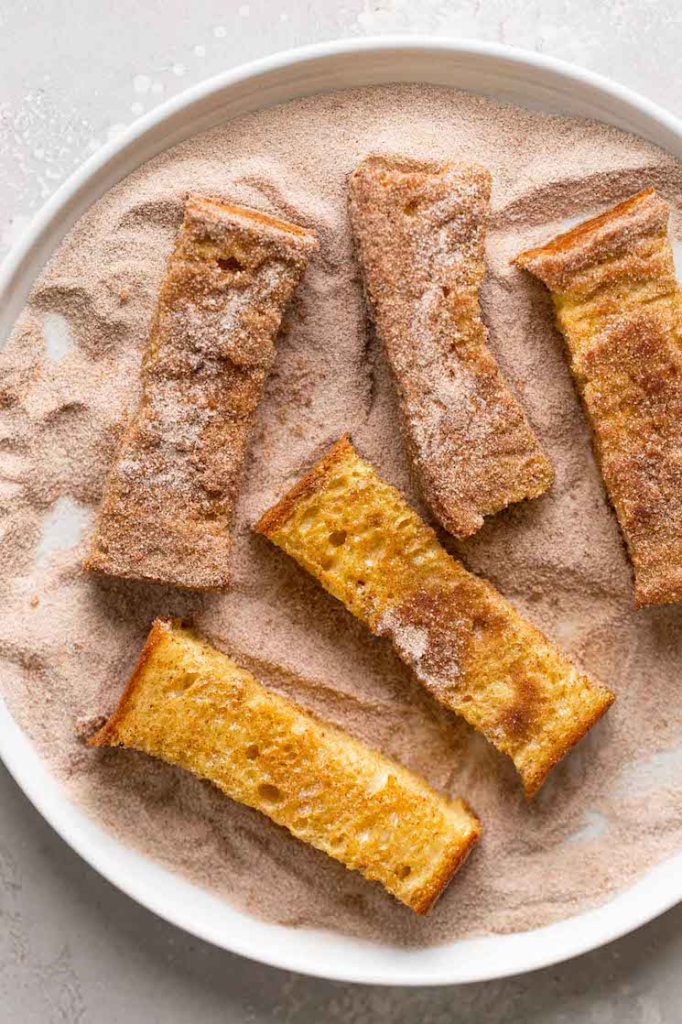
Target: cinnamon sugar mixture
pixel 69 376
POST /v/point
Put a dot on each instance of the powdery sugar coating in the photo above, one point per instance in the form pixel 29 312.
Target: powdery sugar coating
pixel 559 559
pixel 619 306
pixel 420 234
pixel 169 500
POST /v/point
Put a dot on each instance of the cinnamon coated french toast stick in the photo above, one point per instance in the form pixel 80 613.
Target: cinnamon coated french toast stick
pixel 619 308
pixel 419 229
pixel 168 503
pixel 463 640
pixel 191 705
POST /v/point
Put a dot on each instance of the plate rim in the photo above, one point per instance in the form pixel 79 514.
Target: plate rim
pixel 609 921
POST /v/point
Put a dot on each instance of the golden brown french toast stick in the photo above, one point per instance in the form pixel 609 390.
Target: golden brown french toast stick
pixel 619 308
pixel 191 705
pixel 420 233
pixel 168 504
pixel 465 643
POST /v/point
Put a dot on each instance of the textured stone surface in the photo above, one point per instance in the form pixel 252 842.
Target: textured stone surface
pixel 73 949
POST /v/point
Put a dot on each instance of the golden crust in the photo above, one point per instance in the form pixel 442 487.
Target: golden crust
pixel 420 231
pixel 597 239
pixel 312 481
pixel 168 504
pixel 189 704
pixel 619 308
pixel 108 735
pixel 465 643
pixel 536 775
pixel 424 900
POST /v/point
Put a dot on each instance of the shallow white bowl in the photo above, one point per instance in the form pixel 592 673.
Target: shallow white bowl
pixel 523 78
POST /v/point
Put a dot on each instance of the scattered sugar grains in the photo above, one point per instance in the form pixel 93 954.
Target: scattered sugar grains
pixel 63 661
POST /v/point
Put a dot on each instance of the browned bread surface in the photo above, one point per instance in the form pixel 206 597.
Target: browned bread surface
pixel 420 234
pixel 465 643
pixel 168 504
pixel 192 706
pixel 619 308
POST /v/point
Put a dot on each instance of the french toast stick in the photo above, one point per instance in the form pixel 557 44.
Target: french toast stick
pixel 619 308
pixel 191 705
pixel 168 504
pixel 464 642
pixel 420 233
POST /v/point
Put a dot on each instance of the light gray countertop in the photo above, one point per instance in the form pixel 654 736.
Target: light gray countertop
pixel 72 948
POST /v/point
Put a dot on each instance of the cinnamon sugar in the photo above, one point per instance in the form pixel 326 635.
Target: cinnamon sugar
pixel 559 558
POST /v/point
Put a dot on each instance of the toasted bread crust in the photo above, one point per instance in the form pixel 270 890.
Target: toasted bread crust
pixel 465 643
pixel 192 706
pixel 312 481
pixel 108 735
pixel 420 230
pixel 619 308
pixel 534 778
pixel 426 899
pixel 602 236
pixel 169 501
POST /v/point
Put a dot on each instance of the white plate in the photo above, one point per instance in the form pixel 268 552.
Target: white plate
pixel 523 78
